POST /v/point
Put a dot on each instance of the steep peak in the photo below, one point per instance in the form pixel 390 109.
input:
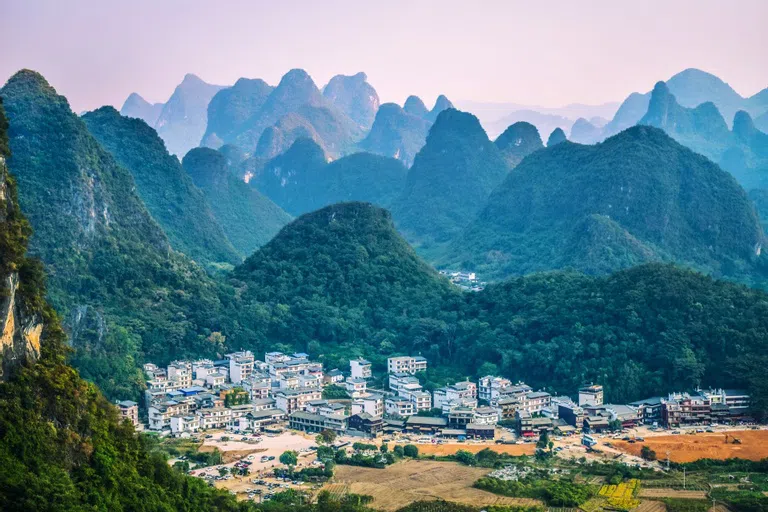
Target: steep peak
pixel 243 83
pixel 135 99
pixel 457 122
pixel 389 109
pixel 743 126
pixel 303 149
pixel 28 81
pixel 519 135
pixel 556 137
pixel 205 165
pixel 192 79
pixel 295 77
pixel 442 103
pixel 413 105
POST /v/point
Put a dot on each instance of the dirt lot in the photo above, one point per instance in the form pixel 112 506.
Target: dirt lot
pixel 450 449
pixel 671 493
pixel 411 480
pixel 688 447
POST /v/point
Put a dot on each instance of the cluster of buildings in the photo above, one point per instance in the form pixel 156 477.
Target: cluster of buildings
pixel 465 280
pixel 242 393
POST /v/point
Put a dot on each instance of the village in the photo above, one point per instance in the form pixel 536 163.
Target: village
pixel 243 394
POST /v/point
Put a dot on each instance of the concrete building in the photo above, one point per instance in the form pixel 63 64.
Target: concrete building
pixel 406 364
pixel 489 387
pixel 591 395
pixel 485 416
pixel 356 387
pixel 314 423
pixel 399 406
pixel 292 400
pixel 360 368
pixel 129 410
pixel 240 366
pixel 372 403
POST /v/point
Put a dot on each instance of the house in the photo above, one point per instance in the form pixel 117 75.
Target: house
pixel 184 423
pixel 314 423
pixel 201 369
pixel 425 424
pixel 291 400
pixel 160 413
pixel 393 425
pixel 422 400
pixel 595 424
pixel 516 391
pixel 627 415
pixel 372 403
pixel 364 422
pixel 360 368
pixel 257 420
pixel 460 417
pixel 591 395
pixel 333 377
pixel 568 411
pixel 485 416
pixel 650 410
pixel 399 381
pixel 215 379
pixel 460 391
pixel 535 401
pixel 355 386
pixel 686 409
pixel 129 410
pixel 736 400
pixel 263 404
pixel 240 366
pixel 489 387
pixel 406 364
pixel 480 431
pixel 181 373
pixel 507 407
pixel 398 406
pixel 326 408
pixel 216 417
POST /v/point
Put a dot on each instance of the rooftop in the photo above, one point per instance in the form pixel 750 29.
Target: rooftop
pixel 426 420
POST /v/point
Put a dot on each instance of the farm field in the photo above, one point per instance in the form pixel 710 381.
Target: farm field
pixel 452 448
pixel 687 447
pixel 412 480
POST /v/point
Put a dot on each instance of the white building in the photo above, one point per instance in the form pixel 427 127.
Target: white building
pixel 485 416
pixel 372 403
pixel 291 400
pixel 591 395
pixel 459 392
pixel 489 387
pixel 214 417
pixel 240 366
pixel 360 368
pixel 398 381
pixel 406 364
pixel 181 373
pixel 356 387
pixel 535 401
pixel 184 423
pixel 399 406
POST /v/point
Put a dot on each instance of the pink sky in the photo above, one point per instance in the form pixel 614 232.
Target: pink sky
pixel 552 53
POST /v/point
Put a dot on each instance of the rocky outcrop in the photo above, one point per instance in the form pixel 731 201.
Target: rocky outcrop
pixel 21 330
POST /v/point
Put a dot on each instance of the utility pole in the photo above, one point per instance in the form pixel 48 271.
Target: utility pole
pixel 683 478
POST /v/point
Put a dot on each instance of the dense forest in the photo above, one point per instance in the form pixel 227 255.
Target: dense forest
pixel 341 281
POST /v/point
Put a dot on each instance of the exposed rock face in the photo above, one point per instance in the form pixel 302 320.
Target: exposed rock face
pixel 20 338
pixel 20 328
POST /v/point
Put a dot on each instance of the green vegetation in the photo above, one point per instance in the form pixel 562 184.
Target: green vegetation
pixel 396 133
pixel 686 505
pixel 637 197
pixel 446 506
pixel 558 493
pixel 247 217
pixel 166 190
pixel 334 392
pixel 451 178
pixel 518 141
pixel 289 458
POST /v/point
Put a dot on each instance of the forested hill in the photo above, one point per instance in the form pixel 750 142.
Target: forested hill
pixel 123 293
pixel 167 191
pixel 637 197
pixel 63 446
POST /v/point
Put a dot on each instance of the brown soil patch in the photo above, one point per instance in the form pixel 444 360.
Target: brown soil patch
pixel 687 447
pixel 658 492
pixel 650 506
pixel 450 449
pixel 231 455
pixel 412 480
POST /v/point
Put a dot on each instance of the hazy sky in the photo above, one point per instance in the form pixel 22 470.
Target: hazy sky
pixel 552 53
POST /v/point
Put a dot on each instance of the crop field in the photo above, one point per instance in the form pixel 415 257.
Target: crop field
pixel 413 480
pixel 687 448
pixel 661 492
pixel 451 448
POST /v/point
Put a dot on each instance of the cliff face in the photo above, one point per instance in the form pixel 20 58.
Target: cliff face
pixel 20 328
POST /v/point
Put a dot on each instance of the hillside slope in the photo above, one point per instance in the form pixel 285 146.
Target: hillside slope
pixel 167 191
pixel 639 196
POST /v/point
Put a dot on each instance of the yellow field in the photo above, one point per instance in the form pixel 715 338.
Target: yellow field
pixel 622 495
pixel 412 480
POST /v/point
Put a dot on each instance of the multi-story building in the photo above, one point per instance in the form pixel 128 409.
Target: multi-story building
pixel 459 392
pixel 686 409
pixel 516 391
pixel 650 410
pixel 216 379
pixel 489 387
pixel 180 372
pixel 535 401
pixel 568 411
pixel 372 403
pixel 356 387
pixel 215 417
pixel 485 416
pixel 399 381
pixel 367 423
pixel 129 410
pixel 591 395
pixel 160 413
pixel 738 401
pixel 240 366
pixel 507 407
pixel 263 404
pixel 326 408
pixel 399 407
pixel 291 400
pixel 360 368
pixel 201 369
pixel 421 399
pixel 311 422
pixel 333 377
pixel 460 417
pixel 406 364
pixel 184 423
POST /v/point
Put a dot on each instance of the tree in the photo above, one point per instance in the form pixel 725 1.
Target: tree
pixel 384 448
pixel 223 471
pixel 466 458
pixel 398 451
pixel 411 450
pixel 543 440
pixel 326 437
pixel 289 458
pixel 647 453
pixel 182 466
